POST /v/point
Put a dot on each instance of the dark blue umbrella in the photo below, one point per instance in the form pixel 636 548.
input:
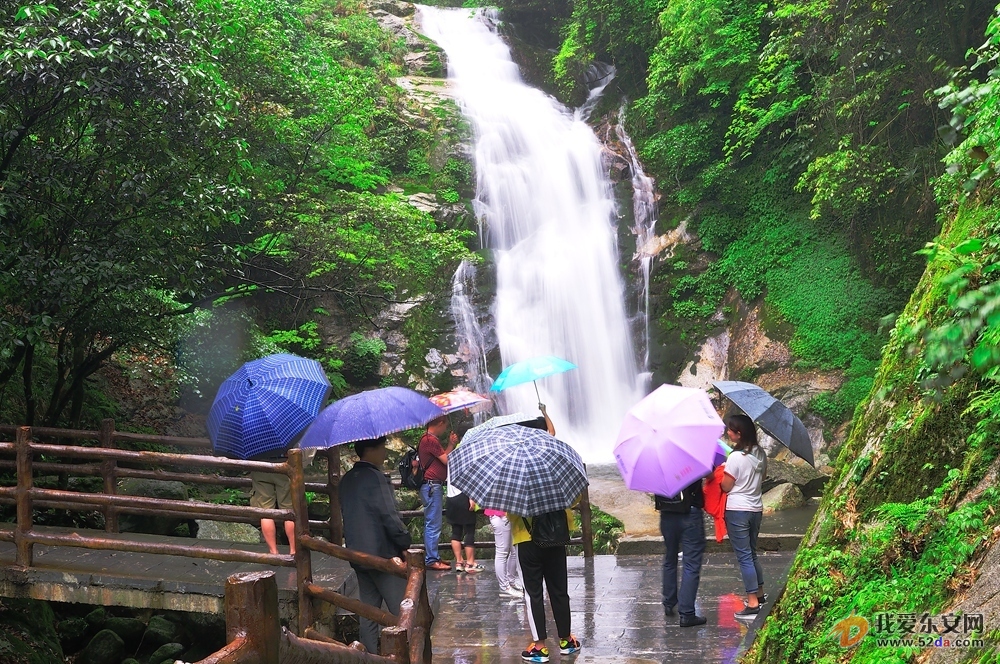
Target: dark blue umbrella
pixel 265 404
pixel 369 415
pixel 770 414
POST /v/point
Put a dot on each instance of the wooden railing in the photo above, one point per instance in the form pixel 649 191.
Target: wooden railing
pixel 405 639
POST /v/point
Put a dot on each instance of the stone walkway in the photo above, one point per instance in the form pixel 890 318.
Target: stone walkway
pixel 616 613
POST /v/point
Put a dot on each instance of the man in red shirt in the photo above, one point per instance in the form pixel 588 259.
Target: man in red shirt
pixel 434 461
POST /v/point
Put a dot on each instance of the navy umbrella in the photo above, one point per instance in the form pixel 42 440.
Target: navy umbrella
pixel 770 414
pixel 370 414
pixel 517 469
pixel 262 407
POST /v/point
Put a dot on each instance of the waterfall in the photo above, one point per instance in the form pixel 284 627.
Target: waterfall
pixel 546 211
pixel 471 340
pixel 644 228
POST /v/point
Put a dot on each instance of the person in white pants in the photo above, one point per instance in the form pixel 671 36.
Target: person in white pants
pixel 505 562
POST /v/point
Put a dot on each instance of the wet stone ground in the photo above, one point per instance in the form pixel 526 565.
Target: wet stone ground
pixel 616 613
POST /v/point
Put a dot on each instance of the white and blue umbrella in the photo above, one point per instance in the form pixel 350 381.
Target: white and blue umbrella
pixel 517 469
pixel 262 407
pixel 369 415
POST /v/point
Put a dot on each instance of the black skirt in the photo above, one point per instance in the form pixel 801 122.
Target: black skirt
pixel 457 511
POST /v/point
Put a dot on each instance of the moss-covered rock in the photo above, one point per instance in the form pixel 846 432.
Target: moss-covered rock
pixel 27 633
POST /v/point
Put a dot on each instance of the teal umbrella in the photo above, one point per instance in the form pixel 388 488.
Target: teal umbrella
pixel 529 371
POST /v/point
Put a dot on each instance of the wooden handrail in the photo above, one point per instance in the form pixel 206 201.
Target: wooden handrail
pixel 174 507
pixel 352 556
pixel 353 605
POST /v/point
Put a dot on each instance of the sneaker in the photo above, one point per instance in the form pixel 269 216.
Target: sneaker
pixel 439 566
pixel 747 613
pixel 569 646
pixel 761 600
pixel 512 592
pixel 517 586
pixel 535 654
pixel 474 568
pixel 691 621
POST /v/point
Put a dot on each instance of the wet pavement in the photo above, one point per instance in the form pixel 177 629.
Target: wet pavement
pixel 616 613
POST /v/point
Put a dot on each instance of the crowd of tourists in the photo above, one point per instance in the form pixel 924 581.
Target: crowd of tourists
pixel 527 570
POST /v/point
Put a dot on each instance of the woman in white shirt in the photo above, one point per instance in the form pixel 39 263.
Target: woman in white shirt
pixel 742 481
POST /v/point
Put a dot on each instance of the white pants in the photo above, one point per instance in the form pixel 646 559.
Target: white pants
pixel 505 561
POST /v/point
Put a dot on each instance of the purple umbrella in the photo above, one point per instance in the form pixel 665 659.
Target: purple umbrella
pixel 668 440
pixel 368 415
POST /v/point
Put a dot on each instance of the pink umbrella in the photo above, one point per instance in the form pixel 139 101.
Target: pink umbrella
pixel 458 399
pixel 668 440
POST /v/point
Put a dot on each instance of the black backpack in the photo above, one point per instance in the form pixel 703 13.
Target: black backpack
pixel 549 529
pixel 690 496
pixel 411 473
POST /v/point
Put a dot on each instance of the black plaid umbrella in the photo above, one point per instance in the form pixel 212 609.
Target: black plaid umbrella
pixel 519 470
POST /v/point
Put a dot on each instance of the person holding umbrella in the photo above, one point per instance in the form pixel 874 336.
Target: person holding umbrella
pixel 372 525
pixel 434 460
pixel 742 482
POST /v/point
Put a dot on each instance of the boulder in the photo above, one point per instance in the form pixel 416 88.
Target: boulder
pixel 159 631
pixel 398 28
pixel 783 497
pixel 167 653
pixel 809 480
pixel 72 634
pixel 105 648
pixel 393 7
pixel 228 532
pixel 129 629
pixel 154 525
pixel 96 619
pixel 425 202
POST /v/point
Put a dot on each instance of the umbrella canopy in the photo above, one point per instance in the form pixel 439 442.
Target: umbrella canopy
pixel 771 415
pixel 265 404
pixel 519 470
pixel 494 422
pixel 530 370
pixel 369 415
pixel 668 440
pixel 449 402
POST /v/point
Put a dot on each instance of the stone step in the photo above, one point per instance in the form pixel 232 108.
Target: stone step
pixel 649 545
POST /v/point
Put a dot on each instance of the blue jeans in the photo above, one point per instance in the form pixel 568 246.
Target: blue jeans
pixel 430 495
pixel 743 528
pixel 682 532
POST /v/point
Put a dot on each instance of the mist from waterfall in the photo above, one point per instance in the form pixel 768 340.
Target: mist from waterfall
pixel 469 333
pixel 546 210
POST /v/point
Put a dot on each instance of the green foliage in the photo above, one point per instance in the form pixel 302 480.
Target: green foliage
pixel 608 531
pixel 362 359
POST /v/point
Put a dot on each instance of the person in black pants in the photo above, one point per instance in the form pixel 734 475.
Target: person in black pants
pixel 537 565
pixel 682 524
pixel 372 525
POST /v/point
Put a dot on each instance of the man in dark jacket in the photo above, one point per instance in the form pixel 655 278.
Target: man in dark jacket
pixel 372 525
pixel 682 524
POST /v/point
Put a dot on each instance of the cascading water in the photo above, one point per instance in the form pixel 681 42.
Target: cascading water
pixel 471 340
pixel 644 227
pixel 546 210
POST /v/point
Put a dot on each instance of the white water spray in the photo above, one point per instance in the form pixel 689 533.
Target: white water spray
pixel 546 210
pixel 471 340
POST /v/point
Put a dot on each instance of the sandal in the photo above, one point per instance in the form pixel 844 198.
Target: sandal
pixel 459 567
pixel 473 568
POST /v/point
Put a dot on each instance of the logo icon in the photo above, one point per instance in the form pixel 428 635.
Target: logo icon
pixel 850 630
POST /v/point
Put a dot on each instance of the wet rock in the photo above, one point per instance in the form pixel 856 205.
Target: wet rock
pixel 228 532
pixel 809 481
pixel 166 653
pixel 319 510
pixel 131 660
pixel 425 202
pixel 129 629
pixel 72 634
pixel 154 525
pixel 398 28
pixel 159 631
pixel 710 365
pixel 783 497
pixel 393 7
pixel 105 648
pixel 430 63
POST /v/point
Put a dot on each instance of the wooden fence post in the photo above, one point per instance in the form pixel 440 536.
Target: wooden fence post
pixel 252 613
pixel 109 471
pixel 333 470
pixel 303 562
pixel 22 447
pixel 586 525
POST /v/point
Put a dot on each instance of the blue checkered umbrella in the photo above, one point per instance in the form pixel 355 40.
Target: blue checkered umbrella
pixel 262 407
pixel 368 415
pixel 519 470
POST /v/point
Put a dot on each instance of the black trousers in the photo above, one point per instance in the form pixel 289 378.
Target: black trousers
pixel 549 565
